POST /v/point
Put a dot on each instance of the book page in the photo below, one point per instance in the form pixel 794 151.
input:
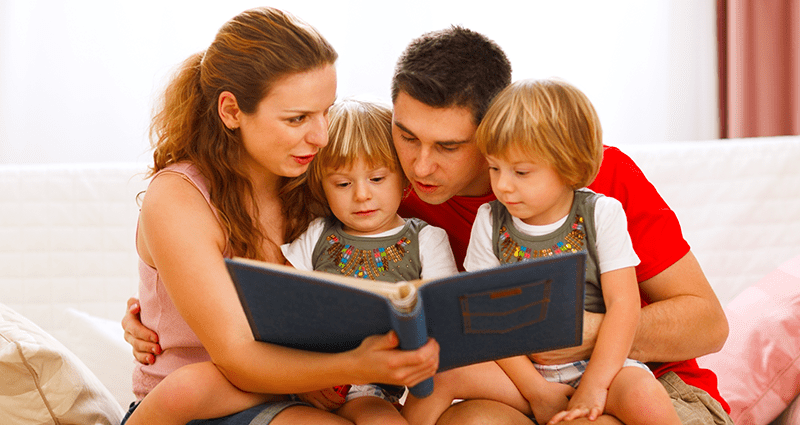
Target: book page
pixel 401 294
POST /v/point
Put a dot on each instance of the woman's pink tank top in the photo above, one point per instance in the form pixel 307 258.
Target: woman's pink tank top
pixel 179 343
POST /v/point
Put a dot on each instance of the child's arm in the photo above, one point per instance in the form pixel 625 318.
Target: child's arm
pixel 614 339
pixel 545 398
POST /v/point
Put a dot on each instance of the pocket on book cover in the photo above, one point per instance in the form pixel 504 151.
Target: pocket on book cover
pixel 505 310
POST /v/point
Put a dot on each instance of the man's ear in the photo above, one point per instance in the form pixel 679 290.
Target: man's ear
pixel 229 111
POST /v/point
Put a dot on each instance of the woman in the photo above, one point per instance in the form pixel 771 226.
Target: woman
pixel 238 126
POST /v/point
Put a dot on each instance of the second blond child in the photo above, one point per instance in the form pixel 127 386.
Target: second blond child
pixel 543 144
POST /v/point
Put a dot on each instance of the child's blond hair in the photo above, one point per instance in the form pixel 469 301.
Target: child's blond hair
pixel 358 129
pixel 548 119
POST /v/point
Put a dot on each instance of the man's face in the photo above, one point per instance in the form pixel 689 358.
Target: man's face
pixel 437 150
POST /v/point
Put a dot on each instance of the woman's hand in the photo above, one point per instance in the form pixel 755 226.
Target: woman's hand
pixel 143 340
pixel 379 361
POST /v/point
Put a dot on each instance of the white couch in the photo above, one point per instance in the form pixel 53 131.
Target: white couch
pixel 67 259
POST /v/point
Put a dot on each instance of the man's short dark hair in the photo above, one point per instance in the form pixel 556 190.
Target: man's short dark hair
pixel 452 67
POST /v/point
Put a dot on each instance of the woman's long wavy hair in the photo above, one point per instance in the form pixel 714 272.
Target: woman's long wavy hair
pixel 249 54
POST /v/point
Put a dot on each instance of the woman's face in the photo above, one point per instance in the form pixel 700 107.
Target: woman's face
pixel 289 125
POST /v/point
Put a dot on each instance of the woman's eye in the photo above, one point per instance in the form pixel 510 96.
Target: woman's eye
pixel 298 119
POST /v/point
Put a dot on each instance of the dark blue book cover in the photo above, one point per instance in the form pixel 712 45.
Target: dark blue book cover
pixel 526 307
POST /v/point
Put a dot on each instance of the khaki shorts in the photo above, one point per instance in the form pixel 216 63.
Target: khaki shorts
pixel 694 406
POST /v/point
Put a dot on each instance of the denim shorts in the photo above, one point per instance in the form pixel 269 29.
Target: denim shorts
pixel 262 414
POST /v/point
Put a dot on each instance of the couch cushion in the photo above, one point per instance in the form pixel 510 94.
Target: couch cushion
pixel 759 366
pixel 43 382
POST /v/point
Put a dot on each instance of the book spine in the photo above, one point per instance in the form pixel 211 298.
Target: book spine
pixel 412 332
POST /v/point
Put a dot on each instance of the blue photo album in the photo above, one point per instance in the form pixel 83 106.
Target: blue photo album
pixel 509 310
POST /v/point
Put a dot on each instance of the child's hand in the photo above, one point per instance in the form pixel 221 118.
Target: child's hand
pixel 585 403
pixel 379 360
pixel 552 399
pixel 327 399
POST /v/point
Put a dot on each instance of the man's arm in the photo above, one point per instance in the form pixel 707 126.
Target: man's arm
pixel 143 340
pixel 684 319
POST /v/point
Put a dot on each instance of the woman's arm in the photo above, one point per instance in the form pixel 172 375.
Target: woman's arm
pixel 180 235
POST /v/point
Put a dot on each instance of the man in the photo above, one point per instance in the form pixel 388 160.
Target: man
pixel 442 86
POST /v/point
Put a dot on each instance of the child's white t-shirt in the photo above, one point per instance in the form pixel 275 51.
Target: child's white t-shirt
pixel 435 254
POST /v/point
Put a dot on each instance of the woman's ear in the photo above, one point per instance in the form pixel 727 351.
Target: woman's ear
pixel 229 111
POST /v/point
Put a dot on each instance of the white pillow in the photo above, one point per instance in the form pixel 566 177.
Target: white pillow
pixel 100 344
pixel 43 382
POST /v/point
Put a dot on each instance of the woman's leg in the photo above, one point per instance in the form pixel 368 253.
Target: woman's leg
pixel 302 414
pixel 370 410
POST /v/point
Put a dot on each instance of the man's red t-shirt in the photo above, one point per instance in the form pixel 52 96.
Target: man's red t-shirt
pixel 653 226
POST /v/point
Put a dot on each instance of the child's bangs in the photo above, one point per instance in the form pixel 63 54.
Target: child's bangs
pixel 508 129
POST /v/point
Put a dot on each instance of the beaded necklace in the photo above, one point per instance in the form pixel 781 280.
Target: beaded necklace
pixel 364 263
pixel 512 251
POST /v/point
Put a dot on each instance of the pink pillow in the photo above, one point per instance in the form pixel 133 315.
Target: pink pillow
pixel 790 416
pixel 759 366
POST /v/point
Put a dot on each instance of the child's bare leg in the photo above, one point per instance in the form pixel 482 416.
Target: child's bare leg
pixel 637 398
pixel 370 410
pixel 195 391
pixel 478 381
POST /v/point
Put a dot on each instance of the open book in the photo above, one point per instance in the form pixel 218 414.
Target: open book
pixel 509 310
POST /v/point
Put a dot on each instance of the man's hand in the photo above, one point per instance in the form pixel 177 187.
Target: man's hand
pixel 552 399
pixel 143 340
pixel 591 325
pixel 587 403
